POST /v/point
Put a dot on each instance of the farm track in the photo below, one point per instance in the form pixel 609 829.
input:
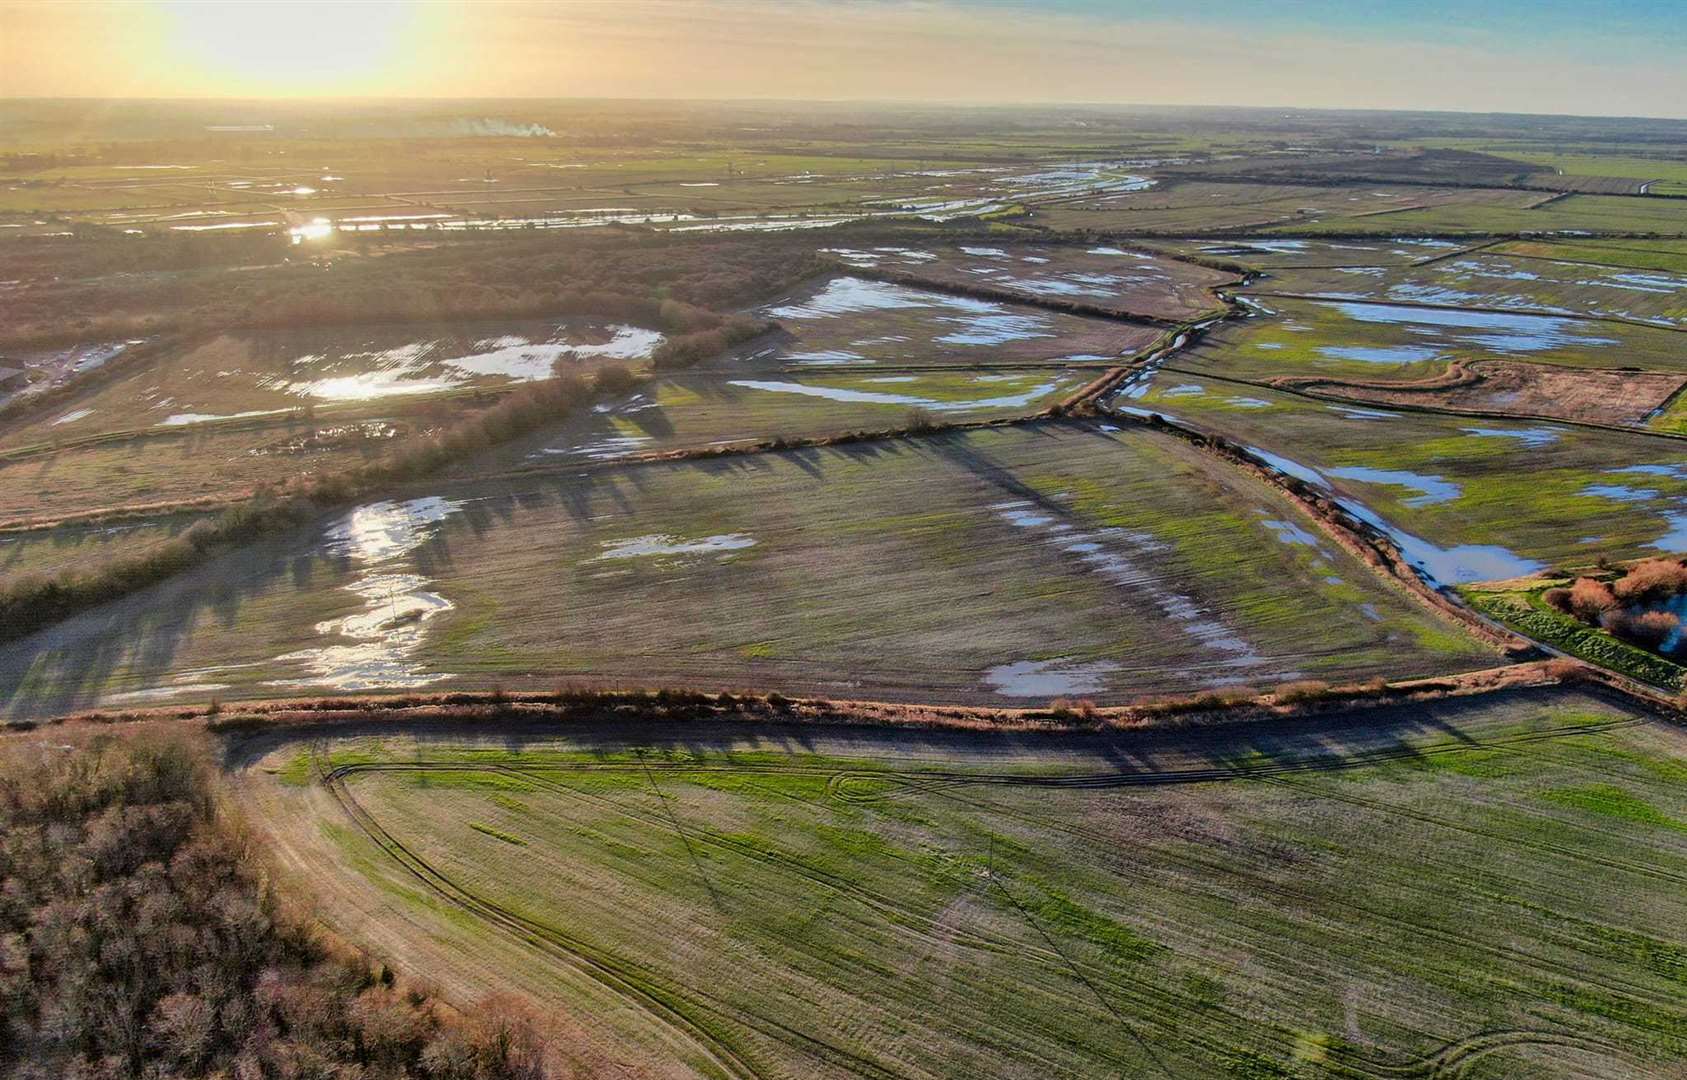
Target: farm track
pixel 675 1006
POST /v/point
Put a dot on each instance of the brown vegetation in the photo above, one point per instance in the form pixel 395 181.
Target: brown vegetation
pixel 1619 606
pixel 138 939
pixel 1613 397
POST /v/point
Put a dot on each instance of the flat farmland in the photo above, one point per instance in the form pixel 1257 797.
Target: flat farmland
pixel 692 411
pixel 1475 885
pixel 854 321
pixel 1274 253
pixel 1466 498
pixel 997 566
pixel 83 547
pixel 221 461
pixel 1669 256
pixel 1575 213
pixel 1121 282
pixel 1231 207
pixel 347 368
pixel 1379 341
pixel 1656 297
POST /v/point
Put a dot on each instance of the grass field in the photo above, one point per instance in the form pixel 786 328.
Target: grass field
pixel 1488 896
pixel 1003 566
pixel 83 547
pixel 1469 499
pixel 1576 213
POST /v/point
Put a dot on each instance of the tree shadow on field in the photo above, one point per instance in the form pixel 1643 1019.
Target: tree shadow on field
pixel 142 638
pixel 1408 732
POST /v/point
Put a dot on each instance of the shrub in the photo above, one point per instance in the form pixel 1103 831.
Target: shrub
pixel 1648 629
pixel 1303 690
pixel 1558 599
pixel 1590 599
pixel 920 420
pixel 1650 581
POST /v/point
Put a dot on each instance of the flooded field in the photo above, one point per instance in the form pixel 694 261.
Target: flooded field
pixel 1467 499
pixel 1111 565
pixel 271 372
pixel 847 321
pixel 1654 297
pixel 1113 279
pixel 1383 342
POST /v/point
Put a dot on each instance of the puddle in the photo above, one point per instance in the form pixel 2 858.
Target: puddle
pixel 1112 553
pixel 1620 493
pixel 1381 354
pixel 876 397
pixel 1432 489
pixel 663 544
pixel 385 636
pixel 418 367
pixel 1526 436
pixel 1290 533
pixel 71 417
pixel 1441 567
pixel 1678 472
pixel 1049 678
pixel 1503 333
pixel 184 419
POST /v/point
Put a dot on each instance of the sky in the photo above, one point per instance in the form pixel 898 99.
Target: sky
pixel 1595 57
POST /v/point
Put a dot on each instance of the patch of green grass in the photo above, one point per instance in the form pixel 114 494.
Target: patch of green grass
pixel 1607 800
pixel 498 834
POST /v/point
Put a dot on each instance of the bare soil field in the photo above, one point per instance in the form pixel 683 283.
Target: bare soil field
pixel 1509 387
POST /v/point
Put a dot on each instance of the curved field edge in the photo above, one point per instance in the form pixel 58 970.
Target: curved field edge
pixel 1090 887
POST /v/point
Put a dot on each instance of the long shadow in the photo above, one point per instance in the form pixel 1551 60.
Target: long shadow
pixel 1391 733
pixel 66 666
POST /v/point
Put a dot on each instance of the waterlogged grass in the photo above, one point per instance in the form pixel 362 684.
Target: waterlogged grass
pixel 1343 340
pixel 1116 562
pixel 1547 493
pixel 1319 925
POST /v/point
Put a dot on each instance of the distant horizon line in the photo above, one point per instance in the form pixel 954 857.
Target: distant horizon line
pixel 858 102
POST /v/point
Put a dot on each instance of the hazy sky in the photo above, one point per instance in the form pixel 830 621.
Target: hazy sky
pixel 1580 56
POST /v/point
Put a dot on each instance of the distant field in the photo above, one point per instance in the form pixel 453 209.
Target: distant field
pixel 854 321
pixel 1114 280
pixel 1362 208
pixel 1482 280
pixel 1397 342
pixel 1000 566
pixel 1493 894
pixel 1272 252
pixel 1468 498
pixel 1589 213
pixel 736 406
pixel 1666 255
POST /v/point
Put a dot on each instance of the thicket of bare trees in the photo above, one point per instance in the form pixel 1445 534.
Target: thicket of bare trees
pixel 137 940
pixel 1627 606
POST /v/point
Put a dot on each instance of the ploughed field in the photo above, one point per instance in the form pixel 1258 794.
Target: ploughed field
pixel 1003 566
pixel 1476 886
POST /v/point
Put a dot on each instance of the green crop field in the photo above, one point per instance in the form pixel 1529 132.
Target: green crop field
pixel 1485 886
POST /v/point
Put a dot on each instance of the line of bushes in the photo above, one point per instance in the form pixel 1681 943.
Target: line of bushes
pixel 30 603
pixel 139 937
pixel 1538 619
